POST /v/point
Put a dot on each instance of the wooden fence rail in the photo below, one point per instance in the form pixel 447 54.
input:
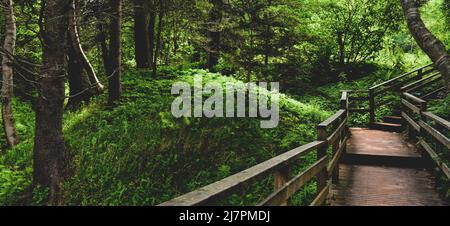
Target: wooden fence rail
pixel 325 169
pixel 428 128
pixel 411 80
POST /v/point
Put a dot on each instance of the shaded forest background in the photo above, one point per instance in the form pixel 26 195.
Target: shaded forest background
pixel 125 148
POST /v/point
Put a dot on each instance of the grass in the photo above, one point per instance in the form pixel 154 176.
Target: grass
pixel 136 153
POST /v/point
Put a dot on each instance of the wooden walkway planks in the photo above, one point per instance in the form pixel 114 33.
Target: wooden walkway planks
pixel 377 142
pixel 379 185
pixel 361 185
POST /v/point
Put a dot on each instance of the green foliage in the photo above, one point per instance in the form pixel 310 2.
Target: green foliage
pixel 355 30
pixel 446 10
pixel 13 183
pixel 441 107
pixel 138 154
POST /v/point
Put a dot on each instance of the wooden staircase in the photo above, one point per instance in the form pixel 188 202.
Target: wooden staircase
pixel 391 123
pixel 424 82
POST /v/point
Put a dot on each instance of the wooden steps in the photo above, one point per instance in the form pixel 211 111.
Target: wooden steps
pixel 381 148
pixel 393 119
pixel 384 126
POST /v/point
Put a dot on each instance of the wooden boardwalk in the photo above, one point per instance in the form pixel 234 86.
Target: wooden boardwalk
pixel 382 169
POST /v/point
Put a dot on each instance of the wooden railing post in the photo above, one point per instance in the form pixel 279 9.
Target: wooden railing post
pixel 420 74
pixel 404 122
pixel 335 173
pixel 322 177
pixel 345 102
pixel 281 177
pixel 372 105
pixel 423 108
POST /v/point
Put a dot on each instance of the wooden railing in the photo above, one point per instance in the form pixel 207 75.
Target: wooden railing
pixel 410 81
pixel 331 134
pixel 432 131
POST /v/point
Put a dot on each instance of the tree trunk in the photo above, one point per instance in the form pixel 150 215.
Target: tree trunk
pixel 158 38
pixel 103 47
pixel 75 38
pixel 141 34
pixel 151 34
pixel 431 45
pixel 215 16
pixel 49 147
pixel 341 44
pixel 78 83
pixel 115 55
pixel 7 71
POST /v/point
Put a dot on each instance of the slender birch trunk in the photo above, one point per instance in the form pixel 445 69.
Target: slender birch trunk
pixel 7 71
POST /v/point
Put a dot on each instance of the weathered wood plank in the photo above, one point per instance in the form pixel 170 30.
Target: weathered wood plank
pixel 320 199
pixel 414 98
pixel 335 135
pixel 437 119
pixel 419 81
pixel 400 77
pixel 219 189
pixel 435 157
pixel 334 161
pixel 344 96
pixel 436 134
pixel 344 101
pixel 411 106
pixel 432 93
pixel 290 188
pixel 281 177
pixel 428 83
pixel 333 119
pixel 411 122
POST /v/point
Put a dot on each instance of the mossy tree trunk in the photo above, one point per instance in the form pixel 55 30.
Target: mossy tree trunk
pixel 49 149
pixel 428 42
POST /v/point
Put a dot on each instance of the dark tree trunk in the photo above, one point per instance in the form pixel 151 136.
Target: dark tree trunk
pixel 7 70
pixel 269 36
pixel 341 44
pixel 104 47
pixel 49 142
pixel 141 34
pixel 115 55
pixel 78 83
pixel 215 16
pixel 158 37
pixel 151 34
pixel 78 49
pixel 431 45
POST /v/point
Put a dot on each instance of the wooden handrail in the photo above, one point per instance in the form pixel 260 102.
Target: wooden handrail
pixel 402 83
pixel 424 130
pixel 414 98
pixel 401 76
pixel 437 119
pixel 420 81
pixel 212 192
pixel 289 189
pixel 333 119
pixel 436 134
